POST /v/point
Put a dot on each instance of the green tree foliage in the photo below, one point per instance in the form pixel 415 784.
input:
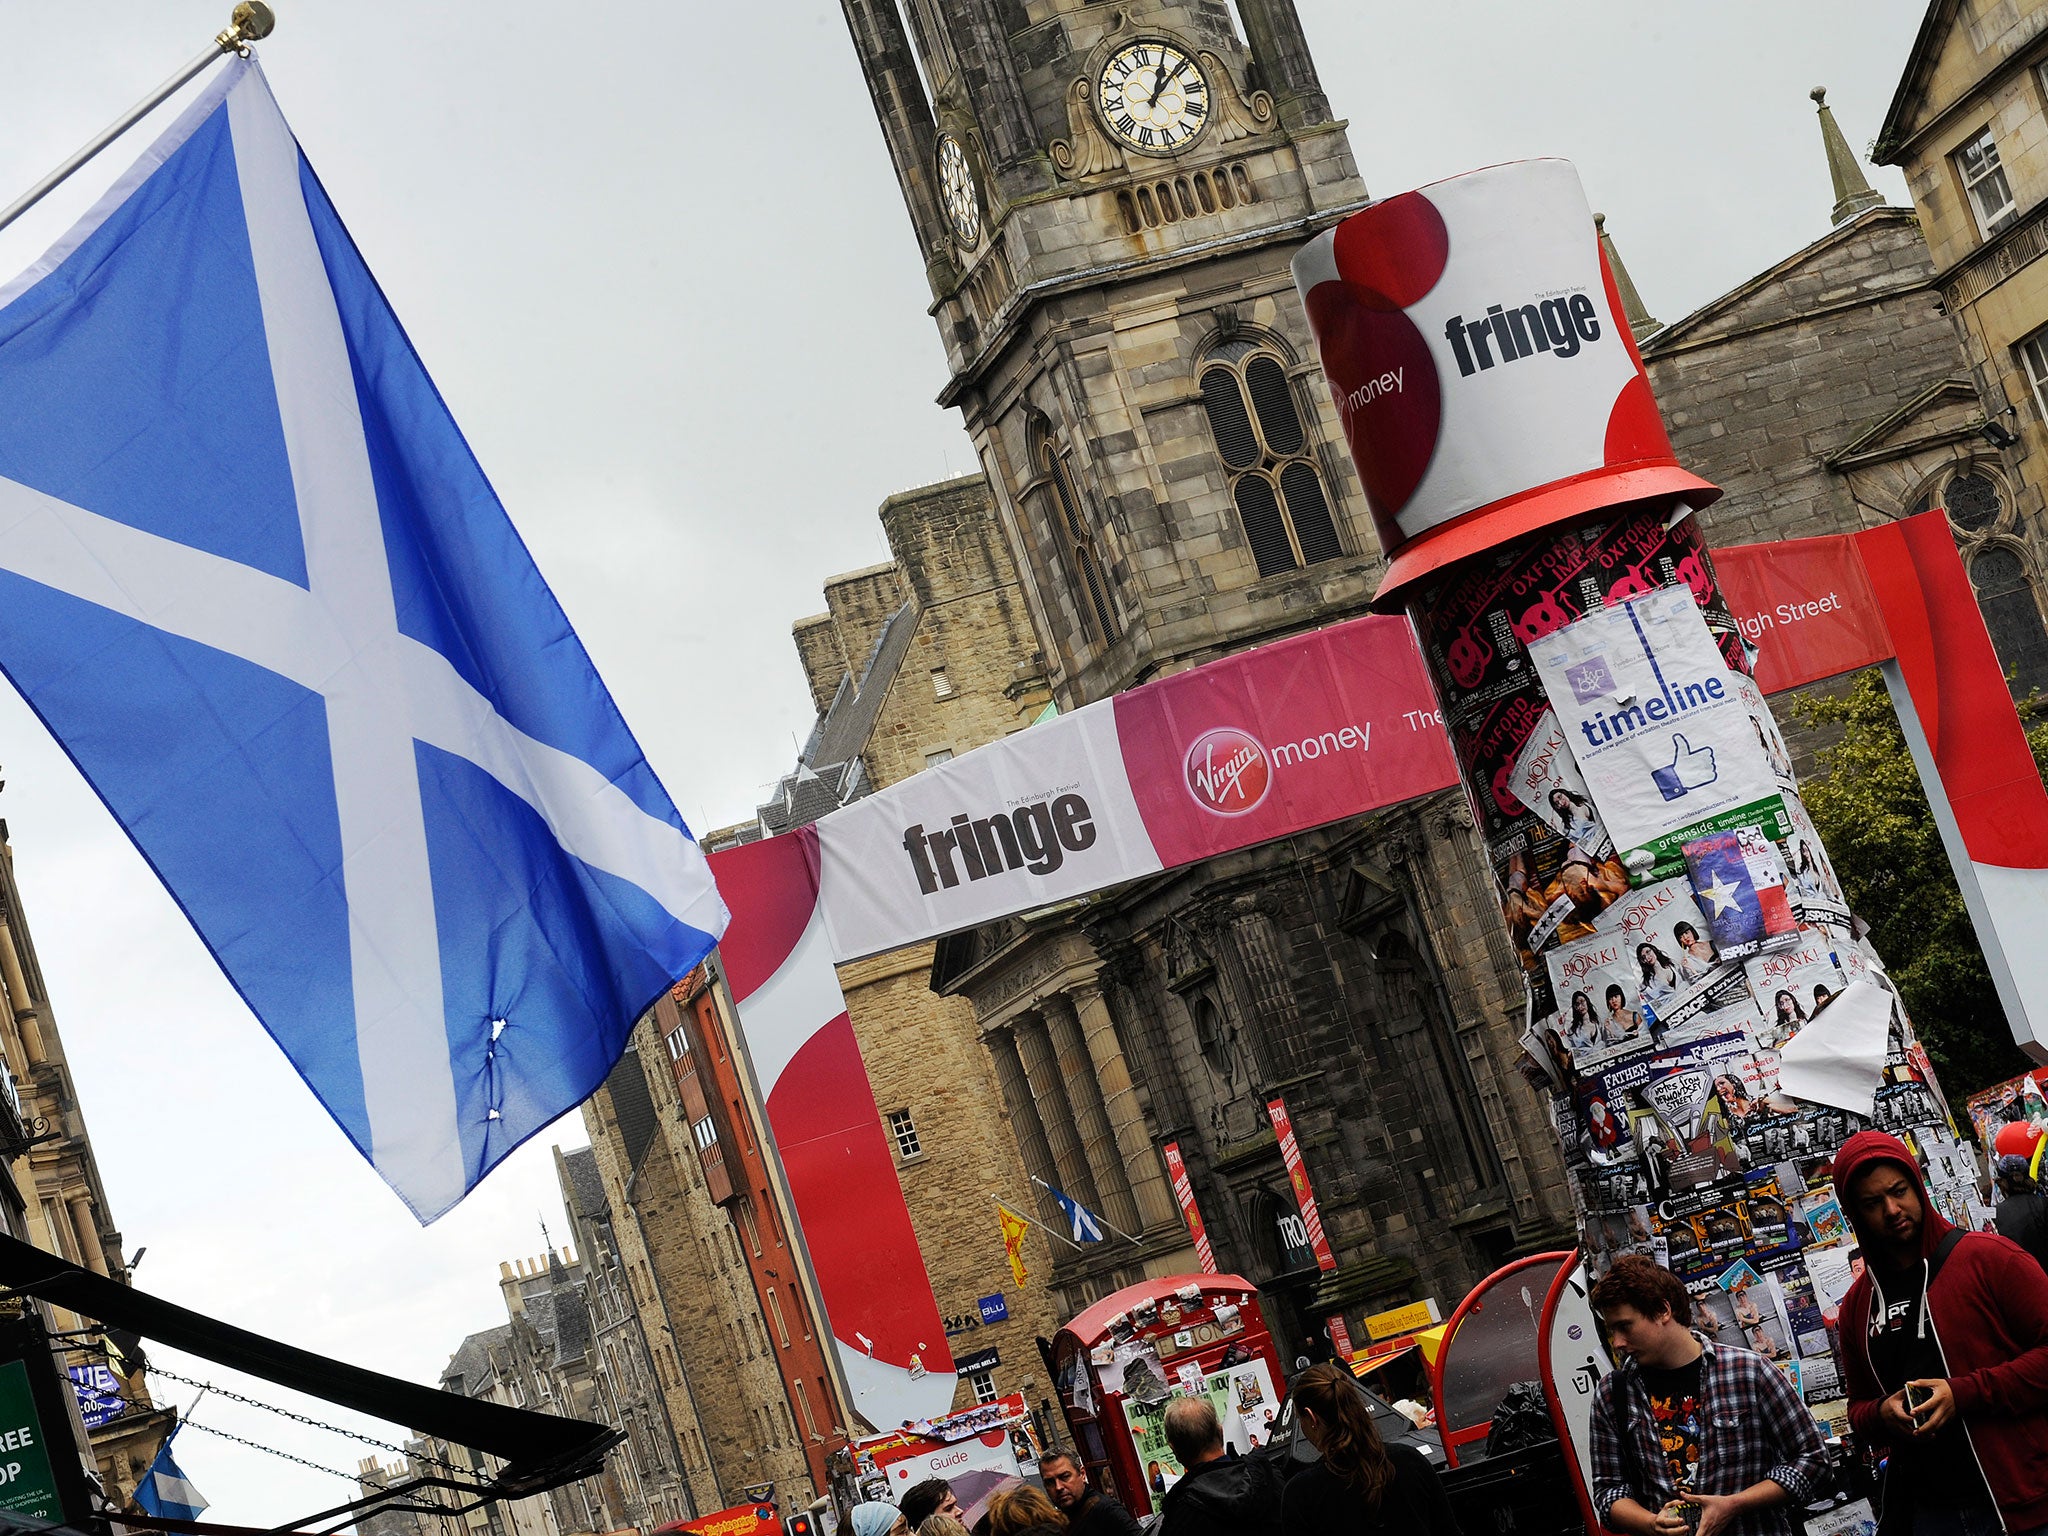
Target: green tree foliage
pixel 1868 806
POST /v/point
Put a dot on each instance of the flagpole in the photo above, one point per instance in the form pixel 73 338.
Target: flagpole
pixel 251 21
pixel 1096 1214
pixel 1034 1221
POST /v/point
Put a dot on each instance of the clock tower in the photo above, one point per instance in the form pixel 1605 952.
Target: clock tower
pixel 1106 197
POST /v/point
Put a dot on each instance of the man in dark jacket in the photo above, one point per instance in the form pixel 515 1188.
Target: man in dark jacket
pixel 1217 1495
pixel 2022 1208
pixel 1089 1511
pixel 1945 1355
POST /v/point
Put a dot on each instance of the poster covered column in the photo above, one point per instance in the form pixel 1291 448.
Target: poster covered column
pixel 1688 954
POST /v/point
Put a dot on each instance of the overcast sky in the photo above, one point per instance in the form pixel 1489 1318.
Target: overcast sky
pixel 655 259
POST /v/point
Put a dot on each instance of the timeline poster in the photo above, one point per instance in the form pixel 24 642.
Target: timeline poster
pixel 1658 728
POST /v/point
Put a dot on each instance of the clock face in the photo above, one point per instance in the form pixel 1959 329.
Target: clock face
pixel 956 188
pixel 1153 97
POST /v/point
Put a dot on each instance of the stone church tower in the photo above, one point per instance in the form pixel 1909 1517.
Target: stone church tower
pixel 1121 327
pixel 1105 198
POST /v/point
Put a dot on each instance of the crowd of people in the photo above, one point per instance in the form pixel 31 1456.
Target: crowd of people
pixel 1359 1484
pixel 1945 1354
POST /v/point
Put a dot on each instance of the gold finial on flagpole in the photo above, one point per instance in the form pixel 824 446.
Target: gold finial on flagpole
pixel 251 22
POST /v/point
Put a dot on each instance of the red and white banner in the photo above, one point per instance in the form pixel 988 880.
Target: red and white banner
pixel 1898 595
pixel 1806 606
pixel 1184 1196
pixel 1481 365
pixel 1297 1176
pixel 1271 741
pixel 828 1132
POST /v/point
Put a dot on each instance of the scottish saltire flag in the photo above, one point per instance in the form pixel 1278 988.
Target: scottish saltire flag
pixel 1087 1226
pixel 254 582
pixel 165 1491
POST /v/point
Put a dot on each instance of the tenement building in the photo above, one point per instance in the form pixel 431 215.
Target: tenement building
pixel 703 1235
pixel 572 1344
pixel 1969 126
pixel 52 1196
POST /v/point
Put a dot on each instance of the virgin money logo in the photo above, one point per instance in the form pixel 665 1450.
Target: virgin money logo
pixel 1228 772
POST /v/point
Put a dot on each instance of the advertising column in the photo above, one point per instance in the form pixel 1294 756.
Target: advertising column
pixel 1707 1021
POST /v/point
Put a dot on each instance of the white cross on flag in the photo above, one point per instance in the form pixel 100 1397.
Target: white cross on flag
pixel 254 582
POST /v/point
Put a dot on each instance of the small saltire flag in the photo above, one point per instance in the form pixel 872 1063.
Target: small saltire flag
pixel 254 582
pixel 166 1492
pixel 1086 1224
pixel 1014 1228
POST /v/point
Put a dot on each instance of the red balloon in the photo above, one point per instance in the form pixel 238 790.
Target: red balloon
pixel 2015 1140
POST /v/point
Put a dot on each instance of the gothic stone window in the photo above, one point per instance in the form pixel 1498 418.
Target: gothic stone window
pixel 1083 557
pixel 1981 513
pixel 1274 483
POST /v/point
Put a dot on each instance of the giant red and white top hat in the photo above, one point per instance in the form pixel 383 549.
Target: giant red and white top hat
pixel 1482 367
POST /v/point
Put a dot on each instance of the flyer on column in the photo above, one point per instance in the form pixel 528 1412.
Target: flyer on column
pixel 1658 729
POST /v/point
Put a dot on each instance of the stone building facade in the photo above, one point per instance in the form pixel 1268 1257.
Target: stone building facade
pixel 573 1343
pixel 691 1281
pixel 714 1100
pixel 1969 126
pixel 1133 365
pixel 1834 392
pixel 51 1194
pixel 625 1388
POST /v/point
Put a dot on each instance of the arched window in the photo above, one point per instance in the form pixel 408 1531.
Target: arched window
pixel 1981 515
pixel 1274 482
pixel 2010 611
pixel 1092 598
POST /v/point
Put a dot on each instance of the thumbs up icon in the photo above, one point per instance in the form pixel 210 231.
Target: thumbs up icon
pixel 1691 768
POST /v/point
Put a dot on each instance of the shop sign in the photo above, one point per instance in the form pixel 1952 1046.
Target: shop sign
pixel 99 1394
pixel 1409 1319
pixel 994 1309
pixel 27 1485
pixel 1295 1252
pixel 974 1364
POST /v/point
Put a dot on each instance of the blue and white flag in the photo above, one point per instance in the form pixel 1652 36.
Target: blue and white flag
pixel 1087 1226
pixel 166 1492
pixel 253 580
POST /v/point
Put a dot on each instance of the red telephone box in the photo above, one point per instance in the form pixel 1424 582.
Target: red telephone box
pixel 1116 1364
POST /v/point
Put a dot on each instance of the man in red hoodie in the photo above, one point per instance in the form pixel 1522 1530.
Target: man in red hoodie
pixel 1945 1354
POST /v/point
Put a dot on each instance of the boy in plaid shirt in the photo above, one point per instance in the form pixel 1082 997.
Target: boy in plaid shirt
pixel 1688 1434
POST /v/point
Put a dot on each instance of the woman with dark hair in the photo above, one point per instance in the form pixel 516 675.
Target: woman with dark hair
pixel 1621 1023
pixel 1583 1033
pixel 1696 956
pixel 1790 1017
pixel 1362 1484
pixel 1660 976
pixel 1577 819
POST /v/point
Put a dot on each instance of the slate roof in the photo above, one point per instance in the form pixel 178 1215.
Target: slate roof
pixel 586 1185
pixel 634 1105
pixel 471 1367
pixel 829 772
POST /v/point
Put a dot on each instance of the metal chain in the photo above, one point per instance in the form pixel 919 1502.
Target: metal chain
pixel 270 1450
pixel 300 1418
